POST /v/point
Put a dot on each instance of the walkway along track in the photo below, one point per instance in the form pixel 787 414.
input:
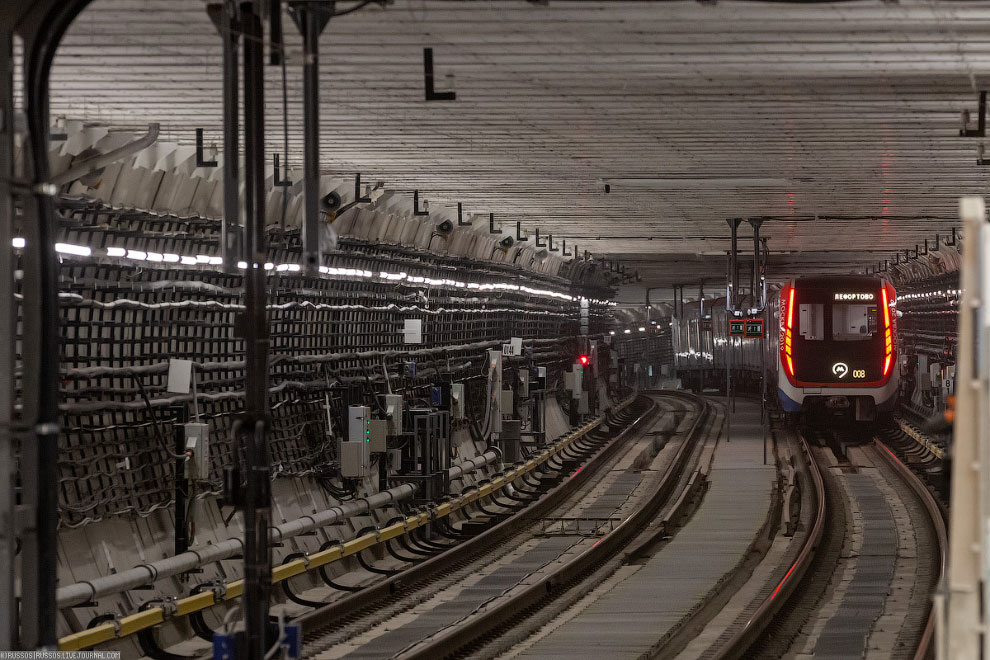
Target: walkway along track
pixel 789 590
pixel 541 583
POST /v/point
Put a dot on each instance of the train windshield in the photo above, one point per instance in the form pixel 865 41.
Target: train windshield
pixel 838 336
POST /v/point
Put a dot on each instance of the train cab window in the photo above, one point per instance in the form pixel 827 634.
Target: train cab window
pixel 811 321
pixel 853 322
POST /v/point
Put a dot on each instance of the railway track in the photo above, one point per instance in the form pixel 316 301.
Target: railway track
pixel 861 583
pixel 855 573
pixel 479 589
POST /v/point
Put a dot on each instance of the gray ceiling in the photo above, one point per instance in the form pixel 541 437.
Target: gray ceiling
pixel 839 121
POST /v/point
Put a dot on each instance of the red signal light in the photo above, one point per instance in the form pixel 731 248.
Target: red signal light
pixel 584 360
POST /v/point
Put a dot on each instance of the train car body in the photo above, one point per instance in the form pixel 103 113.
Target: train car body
pixel 837 359
pixel 837 347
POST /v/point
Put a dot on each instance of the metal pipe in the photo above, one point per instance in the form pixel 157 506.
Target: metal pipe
pixel 757 262
pixel 96 162
pixel 730 295
pixel 8 534
pixel 253 427
pixel 311 18
pixel 230 248
pixel 82 592
pixel 41 34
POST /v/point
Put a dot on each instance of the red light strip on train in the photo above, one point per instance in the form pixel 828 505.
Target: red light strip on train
pixel 787 333
pixel 888 341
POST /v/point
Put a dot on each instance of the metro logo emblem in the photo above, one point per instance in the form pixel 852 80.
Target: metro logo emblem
pixel 840 369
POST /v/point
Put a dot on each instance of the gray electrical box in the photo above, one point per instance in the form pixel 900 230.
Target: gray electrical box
pixel 524 383
pixel 354 460
pixel 924 384
pixel 393 406
pixel 510 439
pixel 583 404
pixel 378 440
pixel 457 401
pixel 198 442
pixel 505 403
pixel 358 422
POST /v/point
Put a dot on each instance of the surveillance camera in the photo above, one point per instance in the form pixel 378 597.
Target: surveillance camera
pixel 330 202
pixel 375 193
pixel 445 228
pixel 506 242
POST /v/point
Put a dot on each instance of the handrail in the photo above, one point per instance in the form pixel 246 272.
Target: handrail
pixel 150 617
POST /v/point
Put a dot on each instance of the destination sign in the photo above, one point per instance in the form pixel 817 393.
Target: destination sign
pixel 854 296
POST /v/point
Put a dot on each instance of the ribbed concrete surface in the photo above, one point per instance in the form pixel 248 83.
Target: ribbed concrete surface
pixel 640 610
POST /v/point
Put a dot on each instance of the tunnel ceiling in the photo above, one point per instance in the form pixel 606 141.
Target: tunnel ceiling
pixel 839 121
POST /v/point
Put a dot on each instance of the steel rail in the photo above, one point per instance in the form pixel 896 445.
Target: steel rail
pixel 739 643
pixel 453 640
pixel 926 644
pixel 129 625
pixel 335 611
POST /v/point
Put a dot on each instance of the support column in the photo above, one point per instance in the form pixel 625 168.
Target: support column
pixel 311 17
pixel 254 328
pixel 226 17
pixel 756 223
pixel 8 531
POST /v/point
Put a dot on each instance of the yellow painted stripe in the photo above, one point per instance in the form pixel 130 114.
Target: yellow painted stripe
pixel 153 616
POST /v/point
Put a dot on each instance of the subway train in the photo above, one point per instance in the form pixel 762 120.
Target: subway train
pixel 829 346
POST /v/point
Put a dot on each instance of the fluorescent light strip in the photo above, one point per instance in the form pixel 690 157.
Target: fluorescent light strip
pixel 203 259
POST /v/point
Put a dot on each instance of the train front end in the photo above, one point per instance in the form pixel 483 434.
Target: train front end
pixel 838 347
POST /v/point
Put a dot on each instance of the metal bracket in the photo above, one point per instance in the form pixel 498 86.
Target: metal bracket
pixel 280 182
pixel 981 119
pixel 460 216
pixel 200 157
pixel 491 225
pixel 550 244
pixel 917 251
pixel 416 209
pixel 954 240
pixel 519 236
pixel 432 95
pixel 358 197
pixel 538 243
pixel 564 252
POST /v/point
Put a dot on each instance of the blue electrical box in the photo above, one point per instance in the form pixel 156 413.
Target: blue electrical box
pixel 223 647
pixel 293 641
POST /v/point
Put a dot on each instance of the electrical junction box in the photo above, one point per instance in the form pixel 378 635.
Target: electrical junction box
pixel 358 423
pixel 198 442
pixel 393 406
pixel 179 376
pixel 457 400
pixel 354 460
pixel 505 403
pixel 541 378
pixel 524 383
pixel 935 373
pixel 924 384
pixel 412 331
pixel 576 380
pixel 378 440
pixel 583 404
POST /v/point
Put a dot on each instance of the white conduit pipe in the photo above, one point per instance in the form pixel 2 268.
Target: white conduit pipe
pixel 82 592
